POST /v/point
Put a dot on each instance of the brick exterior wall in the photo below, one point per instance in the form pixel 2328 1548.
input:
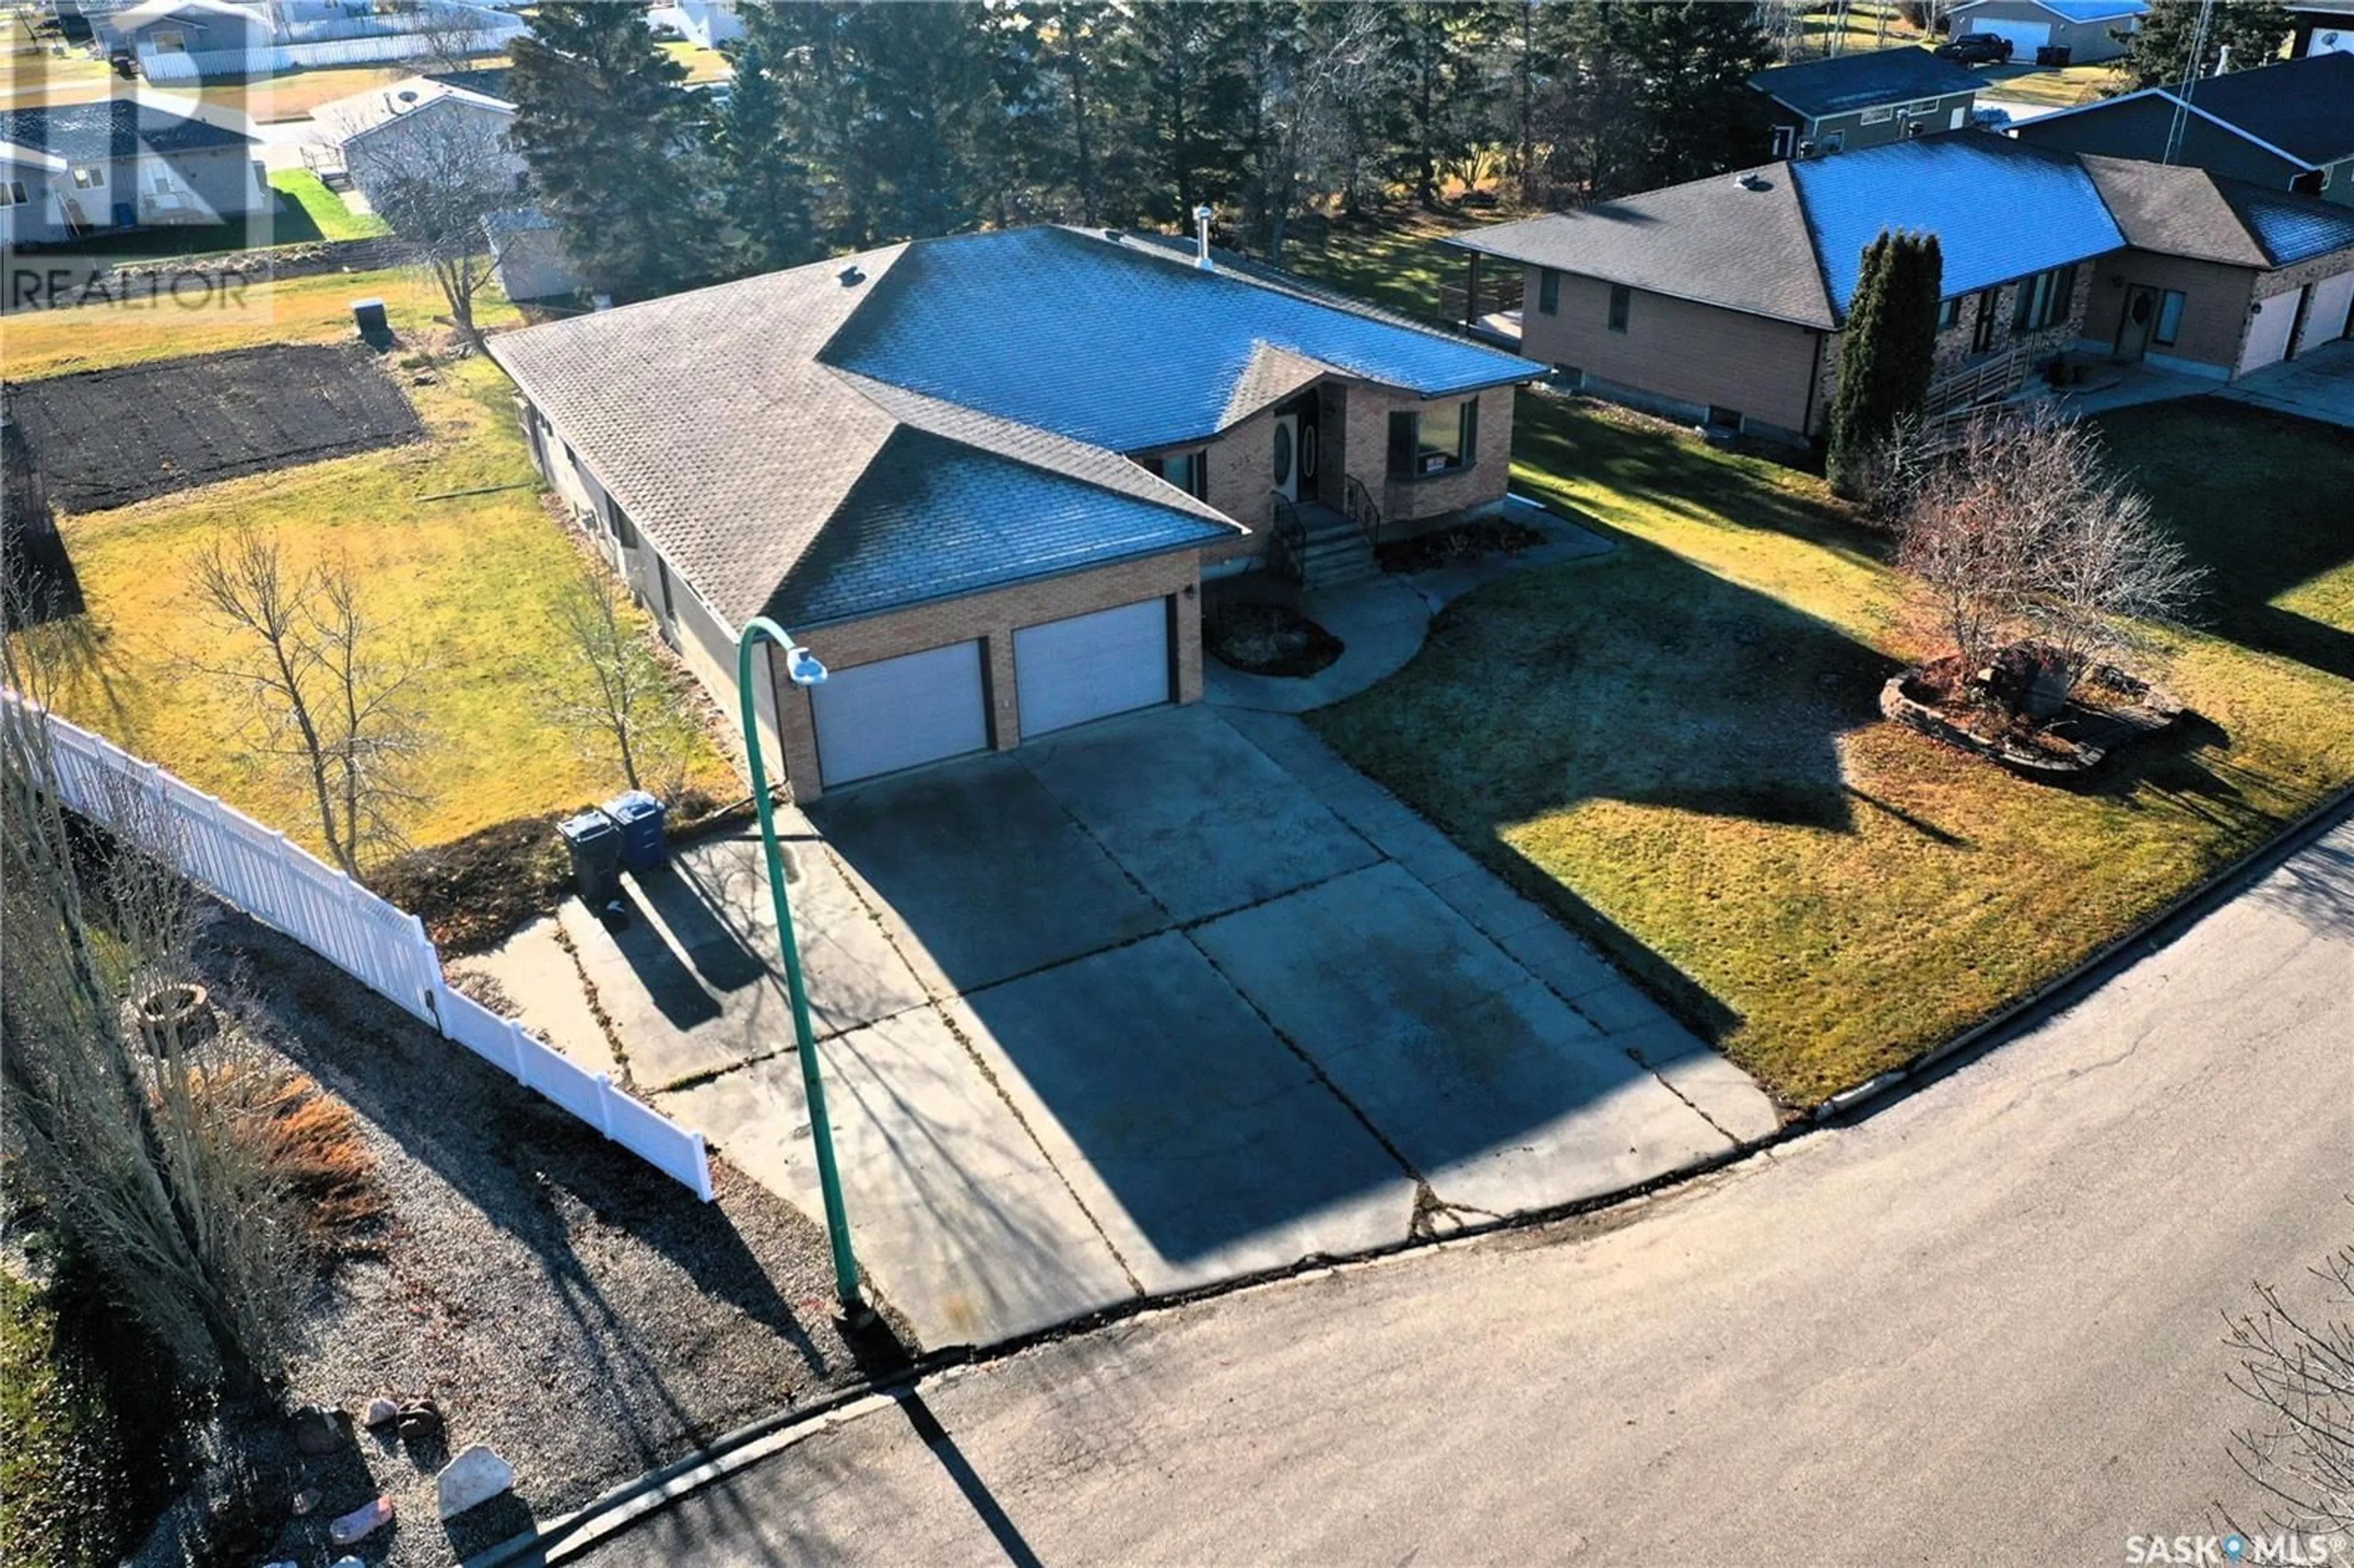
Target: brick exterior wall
pixel 993 619
pixel 1954 352
pixel 1353 438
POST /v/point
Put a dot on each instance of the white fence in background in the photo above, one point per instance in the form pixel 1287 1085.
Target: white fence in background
pixel 268 59
pixel 385 948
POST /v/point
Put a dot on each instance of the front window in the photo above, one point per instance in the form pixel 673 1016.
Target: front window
pixel 1189 472
pixel 90 177
pixel 1446 439
pixel 1949 313
pixel 11 193
pixel 1878 116
pixel 2044 298
pixel 1548 291
pixel 1622 301
pixel 2170 318
pixel 169 41
pixel 1982 335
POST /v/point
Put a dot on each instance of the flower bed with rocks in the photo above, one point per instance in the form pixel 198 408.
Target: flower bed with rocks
pixel 2057 737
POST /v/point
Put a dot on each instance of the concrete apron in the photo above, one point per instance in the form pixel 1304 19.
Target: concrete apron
pixel 1154 1004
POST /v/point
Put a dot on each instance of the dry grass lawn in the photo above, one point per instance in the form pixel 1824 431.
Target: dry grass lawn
pixel 467 581
pixel 1678 744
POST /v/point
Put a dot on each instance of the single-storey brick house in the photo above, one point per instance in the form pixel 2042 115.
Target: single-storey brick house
pixel 2289 126
pixel 2220 277
pixel 2090 30
pixel 68 171
pixel 1720 301
pixel 982 477
pixel 1863 100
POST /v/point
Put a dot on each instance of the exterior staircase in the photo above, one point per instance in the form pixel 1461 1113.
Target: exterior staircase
pixel 1333 548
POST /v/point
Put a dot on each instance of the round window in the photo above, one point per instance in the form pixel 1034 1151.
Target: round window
pixel 1282 455
pixel 1308 452
pixel 2140 309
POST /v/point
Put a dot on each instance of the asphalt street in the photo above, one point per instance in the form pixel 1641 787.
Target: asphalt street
pixel 1983 1325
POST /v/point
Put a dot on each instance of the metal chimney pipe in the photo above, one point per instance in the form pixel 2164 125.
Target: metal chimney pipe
pixel 1202 216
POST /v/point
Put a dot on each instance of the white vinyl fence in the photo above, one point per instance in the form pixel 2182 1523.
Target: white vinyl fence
pixel 386 948
pixel 269 59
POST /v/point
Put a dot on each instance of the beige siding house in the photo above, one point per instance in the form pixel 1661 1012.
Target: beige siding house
pixel 983 478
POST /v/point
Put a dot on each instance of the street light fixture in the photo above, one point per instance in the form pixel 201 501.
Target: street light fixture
pixel 803 669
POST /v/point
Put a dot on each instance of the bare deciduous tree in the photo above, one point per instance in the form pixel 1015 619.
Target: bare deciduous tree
pixel 331 707
pixel 435 178
pixel 2022 528
pixel 2297 1364
pixel 621 692
pixel 137 1157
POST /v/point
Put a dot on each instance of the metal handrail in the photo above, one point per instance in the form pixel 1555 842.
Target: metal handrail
pixel 1289 536
pixel 1357 502
pixel 2003 373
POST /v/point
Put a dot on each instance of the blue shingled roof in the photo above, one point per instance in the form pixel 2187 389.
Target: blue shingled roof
pixel 932 517
pixel 1999 210
pixel 2290 228
pixel 113 129
pixel 1115 346
pixel 2096 10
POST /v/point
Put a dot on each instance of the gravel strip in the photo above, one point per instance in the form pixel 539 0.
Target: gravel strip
pixel 571 1306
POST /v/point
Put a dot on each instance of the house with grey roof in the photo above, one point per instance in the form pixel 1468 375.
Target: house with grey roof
pixel 2219 277
pixel 2090 30
pixel 1863 100
pixel 2289 126
pixel 985 477
pixel 68 172
pixel 1721 301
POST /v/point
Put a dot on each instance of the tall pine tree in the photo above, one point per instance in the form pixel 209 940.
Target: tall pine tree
pixel 767 184
pixel 605 121
pixel 1887 350
pixel 2240 35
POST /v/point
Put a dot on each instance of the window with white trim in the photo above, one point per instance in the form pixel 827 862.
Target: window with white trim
pixel 1419 446
pixel 12 193
pixel 2170 318
pixel 90 177
pixel 2044 298
pixel 1879 116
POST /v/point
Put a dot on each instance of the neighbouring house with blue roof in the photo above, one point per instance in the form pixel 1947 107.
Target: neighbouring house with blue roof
pixel 71 171
pixel 1863 100
pixel 1721 301
pixel 2090 30
pixel 984 477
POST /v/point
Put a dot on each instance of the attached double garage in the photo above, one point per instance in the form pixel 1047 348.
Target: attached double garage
pixel 990 671
pixel 2297 320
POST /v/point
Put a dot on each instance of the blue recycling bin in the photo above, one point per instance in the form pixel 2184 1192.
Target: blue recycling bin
pixel 595 840
pixel 640 817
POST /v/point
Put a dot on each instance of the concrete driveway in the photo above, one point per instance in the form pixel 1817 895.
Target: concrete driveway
pixel 2317 384
pixel 1168 1000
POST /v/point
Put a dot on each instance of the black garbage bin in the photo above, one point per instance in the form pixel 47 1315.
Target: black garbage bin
pixel 595 840
pixel 640 817
pixel 2053 54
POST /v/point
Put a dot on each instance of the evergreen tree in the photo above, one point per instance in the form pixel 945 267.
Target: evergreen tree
pixel 2240 35
pixel 1887 350
pixel 605 121
pixel 767 186
pixel 1690 63
pixel 1185 103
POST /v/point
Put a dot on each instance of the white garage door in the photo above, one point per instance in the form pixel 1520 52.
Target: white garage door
pixel 2267 341
pixel 2325 318
pixel 880 718
pixel 2026 38
pixel 1092 666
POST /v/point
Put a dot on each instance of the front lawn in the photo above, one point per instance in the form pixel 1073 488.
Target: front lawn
pixel 456 557
pixel 1677 742
pixel 314 212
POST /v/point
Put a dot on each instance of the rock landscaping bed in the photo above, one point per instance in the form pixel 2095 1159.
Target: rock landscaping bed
pixel 2109 710
pixel 1266 639
pixel 105 439
pixel 1454 546
pixel 531 1289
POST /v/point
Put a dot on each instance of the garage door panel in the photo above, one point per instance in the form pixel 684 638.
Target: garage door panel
pixel 897 713
pixel 2267 340
pixel 2025 36
pixel 1092 666
pixel 2325 318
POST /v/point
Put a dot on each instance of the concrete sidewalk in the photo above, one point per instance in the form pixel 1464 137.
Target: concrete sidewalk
pixel 1158 1002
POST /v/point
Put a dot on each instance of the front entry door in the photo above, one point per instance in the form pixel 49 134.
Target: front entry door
pixel 2133 332
pixel 1287 456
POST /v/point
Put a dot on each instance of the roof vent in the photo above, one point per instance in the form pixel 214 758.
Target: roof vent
pixel 407 95
pixel 1750 181
pixel 1202 216
pixel 1114 235
pixel 851 276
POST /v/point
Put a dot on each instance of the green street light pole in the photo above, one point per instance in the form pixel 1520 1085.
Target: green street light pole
pixel 804 669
